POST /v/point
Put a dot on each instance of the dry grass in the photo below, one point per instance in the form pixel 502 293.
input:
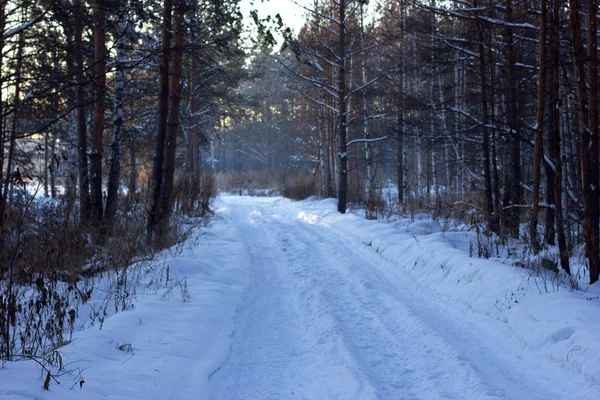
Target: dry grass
pixel 250 182
pixel 301 187
pixel 48 258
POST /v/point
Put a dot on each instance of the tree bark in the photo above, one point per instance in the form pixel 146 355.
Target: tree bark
pixel 552 191
pixel 175 103
pixel 539 133
pixel 400 155
pixel 446 141
pixel 371 207
pixel 133 173
pixel 587 133
pixel 99 20
pixel 458 82
pixel 554 148
pixel 45 172
pixel 494 155
pixel 513 213
pixel 593 150
pixel 163 114
pixel 323 167
pixel 342 107
pixel 114 175
pixel 6 337
pixel 54 168
pixel 400 169
pixel 84 184
pixel 14 120
pixel 192 164
pixel 488 205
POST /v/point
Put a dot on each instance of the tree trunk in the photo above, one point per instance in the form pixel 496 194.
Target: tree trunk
pixel 5 302
pixel 163 114
pixel 371 207
pixel 539 133
pixel 400 169
pixel 84 184
pixel 592 148
pixel 488 205
pixel 342 104
pixel 428 157
pixel 458 82
pixel 431 142
pixel 133 174
pixel 334 176
pixel 15 117
pixel 554 148
pixel 552 191
pixel 195 140
pixel 514 200
pixel 494 152
pixel 587 133
pixel 192 167
pixel 2 24
pixel 54 168
pixel 419 146
pixel 99 20
pixel 446 141
pixel 400 155
pixel 323 168
pixel 553 136
pixel 175 103
pixel 46 176
pixel 114 175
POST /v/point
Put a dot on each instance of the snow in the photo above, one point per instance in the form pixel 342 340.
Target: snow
pixel 21 27
pixel 175 345
pixel 292 300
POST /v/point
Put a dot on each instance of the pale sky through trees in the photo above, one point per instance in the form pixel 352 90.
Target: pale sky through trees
pixel 290 10
pixel 292 14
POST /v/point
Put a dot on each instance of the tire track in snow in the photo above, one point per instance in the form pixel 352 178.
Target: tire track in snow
pixel 272 356
pixel 475 363
pixel 396 350
pixel 401 352
pixel 325 322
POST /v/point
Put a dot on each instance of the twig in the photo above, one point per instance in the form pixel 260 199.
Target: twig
pixel 25 356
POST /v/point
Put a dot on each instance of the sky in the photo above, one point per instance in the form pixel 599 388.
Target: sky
pixel 291 13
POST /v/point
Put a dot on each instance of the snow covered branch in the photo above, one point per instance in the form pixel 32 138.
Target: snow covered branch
pixel 366 140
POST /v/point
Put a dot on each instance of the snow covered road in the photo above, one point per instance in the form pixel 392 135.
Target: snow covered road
pixel 291 300
pixel 329 318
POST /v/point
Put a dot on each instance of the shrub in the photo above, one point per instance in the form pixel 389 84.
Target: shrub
pixel 208 191
pixel 49 261
pixel 192 195
pixel 301 187
pixel 255 182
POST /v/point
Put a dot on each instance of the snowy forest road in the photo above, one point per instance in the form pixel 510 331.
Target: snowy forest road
pixel 327 318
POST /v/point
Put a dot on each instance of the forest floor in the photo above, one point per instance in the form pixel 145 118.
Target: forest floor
pixel 291 300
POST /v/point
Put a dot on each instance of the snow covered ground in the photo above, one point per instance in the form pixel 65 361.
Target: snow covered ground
pixel 295 301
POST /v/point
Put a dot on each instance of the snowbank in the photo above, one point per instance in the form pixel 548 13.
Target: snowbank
pixel 560 324
pixel 147 352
